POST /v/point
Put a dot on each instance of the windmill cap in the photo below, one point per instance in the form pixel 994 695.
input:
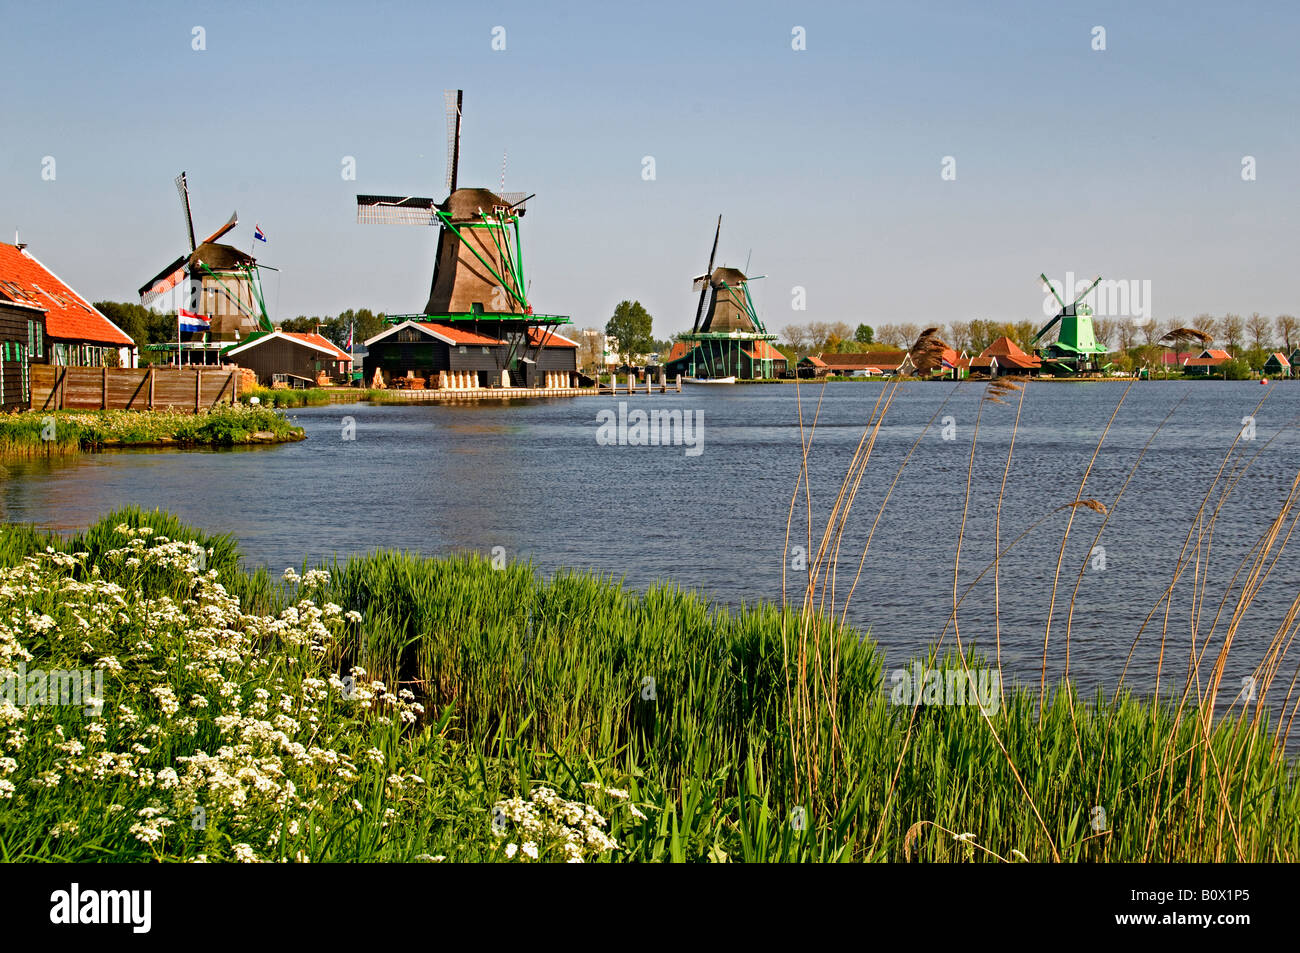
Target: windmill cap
pixel 463 205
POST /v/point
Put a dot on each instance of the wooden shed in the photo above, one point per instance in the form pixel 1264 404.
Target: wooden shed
pixel 289 357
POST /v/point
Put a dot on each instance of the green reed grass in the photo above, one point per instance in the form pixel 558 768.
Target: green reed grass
pixel 528 680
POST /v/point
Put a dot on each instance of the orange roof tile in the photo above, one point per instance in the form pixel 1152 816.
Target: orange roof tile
pixel 552 338
pixel 68 316
pixel 319 341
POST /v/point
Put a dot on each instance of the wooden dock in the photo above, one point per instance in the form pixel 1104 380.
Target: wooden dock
pixel 443 394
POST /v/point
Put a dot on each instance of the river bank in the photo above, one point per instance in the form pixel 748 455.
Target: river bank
pixel 64 433
pixel 397 707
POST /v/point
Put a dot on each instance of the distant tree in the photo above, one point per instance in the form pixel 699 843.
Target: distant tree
pixel 796 337
pixel 1125 333
pixel 141 324
pixel 1258 328
pixel 865 334
pixel 1103 330
pixel 632 325
pixel 1231 328
pixel 1022 332
pixel 1286 330
pixel 959 335
pixel 1207 324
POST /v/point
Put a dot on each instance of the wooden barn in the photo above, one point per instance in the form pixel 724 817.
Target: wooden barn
pixel 22 334
pixel 74 332
pixel 492 355
pixel 1277 365
pixel 290 358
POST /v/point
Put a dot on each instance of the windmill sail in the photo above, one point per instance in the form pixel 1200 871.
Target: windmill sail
pixel 396 210
pixel 452 100
pixel 183 189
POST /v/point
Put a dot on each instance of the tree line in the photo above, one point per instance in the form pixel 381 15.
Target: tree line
pixel 1251 338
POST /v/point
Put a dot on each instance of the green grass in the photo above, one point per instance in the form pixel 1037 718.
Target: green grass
pixel 36 433
pixel 309 396
pixel 530 684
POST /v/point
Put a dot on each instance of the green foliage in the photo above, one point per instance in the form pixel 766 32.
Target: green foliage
pixel 1237 369
pixel 141 324
pixel 28 434
pixel 576 685
pixel 631 325
pixel 864 334
pixel 367 324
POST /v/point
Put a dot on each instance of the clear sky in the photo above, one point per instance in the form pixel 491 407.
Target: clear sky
pixel 824 162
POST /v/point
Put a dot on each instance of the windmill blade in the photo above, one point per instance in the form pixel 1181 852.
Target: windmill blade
pixel 183 188
pixel 396 210
pixel 1052 288
pixel 1096 281
pixel 452 100
pixel 706 284
pixel 514 200
pixel 1047 327
pixel 234 220
pixel 163 282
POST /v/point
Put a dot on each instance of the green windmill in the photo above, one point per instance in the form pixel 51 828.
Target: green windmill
pixel 1075 349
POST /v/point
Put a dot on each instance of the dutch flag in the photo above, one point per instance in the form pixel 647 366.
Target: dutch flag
pixel 258 233
pixel 193 321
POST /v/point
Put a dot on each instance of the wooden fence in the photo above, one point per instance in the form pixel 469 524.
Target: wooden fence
pixel 186 389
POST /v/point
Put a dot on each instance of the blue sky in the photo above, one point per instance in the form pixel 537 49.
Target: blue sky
pixel 825 163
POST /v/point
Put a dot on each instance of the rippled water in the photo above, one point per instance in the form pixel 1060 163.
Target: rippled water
pixel 532 478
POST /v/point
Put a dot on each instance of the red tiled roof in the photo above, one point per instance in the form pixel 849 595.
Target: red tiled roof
pixel 1204 361
pixel 679 350
pixel 1220 354
pixel 1008 352
pixel 319 341
pixel 1281 359
pixel 762 351
pixel 68 317
pixel 553 339
pixel 459 335
pixel 864 359
pixel 814 360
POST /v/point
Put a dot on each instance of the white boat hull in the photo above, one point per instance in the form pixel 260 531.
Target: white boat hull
pixel 709 380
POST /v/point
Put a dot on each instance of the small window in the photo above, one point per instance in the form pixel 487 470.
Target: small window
pixel 463 349
pixel 486 351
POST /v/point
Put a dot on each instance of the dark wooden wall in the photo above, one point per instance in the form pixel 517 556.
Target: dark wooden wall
pixel 17 353
pixel 284 356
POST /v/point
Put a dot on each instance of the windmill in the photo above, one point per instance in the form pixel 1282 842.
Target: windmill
pixel 1075 349
pixel 218 283
pixel 479 265
pixel 478 275
pixel 728 338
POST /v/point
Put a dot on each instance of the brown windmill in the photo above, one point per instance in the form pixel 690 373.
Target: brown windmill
pixel 479 265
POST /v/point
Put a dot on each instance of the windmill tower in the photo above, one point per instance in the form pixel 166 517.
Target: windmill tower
pixel 728 338
pixel 1075 349
pixel 478 277
pixel 479 265
pixel 217 283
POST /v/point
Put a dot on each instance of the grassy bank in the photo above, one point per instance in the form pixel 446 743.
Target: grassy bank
pixel 69 432
pixel 308 397
pixel 405 708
